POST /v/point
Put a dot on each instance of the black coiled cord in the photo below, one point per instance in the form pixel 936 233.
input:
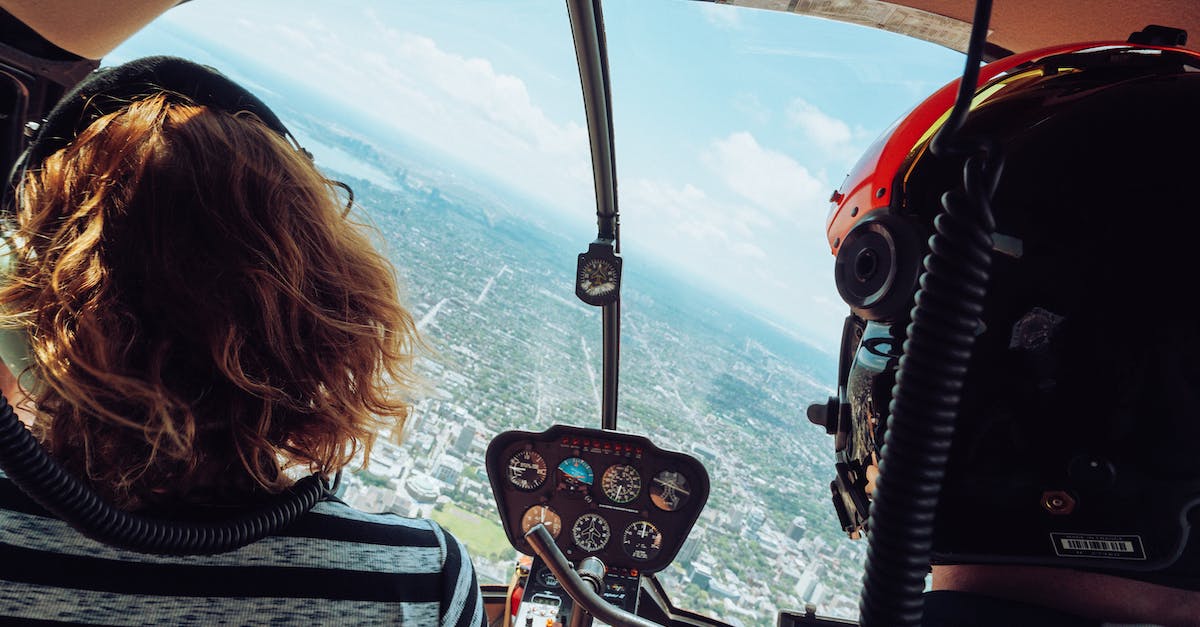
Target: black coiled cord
pixel 929 381
pixel 41 477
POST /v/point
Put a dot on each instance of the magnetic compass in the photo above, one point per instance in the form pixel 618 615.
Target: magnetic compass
pixel 598 275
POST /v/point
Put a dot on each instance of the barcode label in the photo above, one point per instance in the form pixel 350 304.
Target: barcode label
pixel 1120 546
pixel 1098 546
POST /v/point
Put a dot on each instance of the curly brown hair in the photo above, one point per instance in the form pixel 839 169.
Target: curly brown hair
pixel 201 316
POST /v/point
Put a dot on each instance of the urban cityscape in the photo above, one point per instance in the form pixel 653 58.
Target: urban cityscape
pixel 512 348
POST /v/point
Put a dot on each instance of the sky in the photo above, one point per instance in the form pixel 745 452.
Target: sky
pixel 732 126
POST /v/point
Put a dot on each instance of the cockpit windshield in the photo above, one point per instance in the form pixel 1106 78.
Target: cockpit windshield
pixel 460 127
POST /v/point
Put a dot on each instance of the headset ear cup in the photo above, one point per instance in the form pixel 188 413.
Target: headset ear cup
pixel 877 268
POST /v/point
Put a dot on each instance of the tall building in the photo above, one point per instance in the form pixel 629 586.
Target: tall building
pixel 691 546
pixel 754 521
pixel 799 526
pixel 462 444
pixel 807 586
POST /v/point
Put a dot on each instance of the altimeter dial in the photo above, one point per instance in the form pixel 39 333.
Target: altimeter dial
pixel 591 532
pixel 669 490
pixel 527 470
pixel 642 541
pixel 544 515
pixel 621 483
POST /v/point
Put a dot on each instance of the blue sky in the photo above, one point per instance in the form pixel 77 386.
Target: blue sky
pixel 733 126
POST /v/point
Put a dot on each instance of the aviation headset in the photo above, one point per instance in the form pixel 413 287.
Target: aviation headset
pixel 104 91
pixel 1053 460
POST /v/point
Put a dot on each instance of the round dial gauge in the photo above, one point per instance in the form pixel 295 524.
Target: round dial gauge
pixel 591 532
pixel 621 483
pixel 541 514
pixel 669 490
pixel 574 475
pixel 598 277
pixel 527 470
pixel 642 541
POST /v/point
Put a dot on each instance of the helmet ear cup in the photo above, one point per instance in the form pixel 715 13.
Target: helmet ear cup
pixel 877 268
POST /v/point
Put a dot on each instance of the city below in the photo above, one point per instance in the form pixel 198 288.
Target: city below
pixel 492 293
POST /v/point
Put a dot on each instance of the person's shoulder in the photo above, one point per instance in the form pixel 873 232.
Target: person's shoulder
pixel 334 520
pixel 947 608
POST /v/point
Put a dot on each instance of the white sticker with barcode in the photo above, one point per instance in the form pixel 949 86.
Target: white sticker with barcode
pixel 1098 546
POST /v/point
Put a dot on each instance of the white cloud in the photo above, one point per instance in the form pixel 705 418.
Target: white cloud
pixel 750 106
pixel 686 221
pixel 461 104
pixel 827 134
pixel 721 16
pixel 769 179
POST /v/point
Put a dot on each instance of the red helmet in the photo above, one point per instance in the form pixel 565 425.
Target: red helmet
pixel 1098 141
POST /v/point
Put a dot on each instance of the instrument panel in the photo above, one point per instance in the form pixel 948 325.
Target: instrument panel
pixel 612 495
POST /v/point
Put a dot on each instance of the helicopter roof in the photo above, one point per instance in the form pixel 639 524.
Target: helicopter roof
pixel 1015 26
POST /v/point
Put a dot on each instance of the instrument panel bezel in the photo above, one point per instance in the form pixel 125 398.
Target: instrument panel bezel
pixel 601 449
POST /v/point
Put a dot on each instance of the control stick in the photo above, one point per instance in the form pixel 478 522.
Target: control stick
pixel 583 586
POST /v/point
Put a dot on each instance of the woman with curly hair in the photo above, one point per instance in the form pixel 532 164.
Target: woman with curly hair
pixel 199 318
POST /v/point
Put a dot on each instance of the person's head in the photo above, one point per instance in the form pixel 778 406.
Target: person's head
pixel 200 314
pixel 1076 439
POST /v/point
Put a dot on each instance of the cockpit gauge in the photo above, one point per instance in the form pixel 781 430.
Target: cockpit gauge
pixel 621 483
pixel 598 275
pixel 591 532
pixel 541 514
pixel 547 578
pixel 527 470
pixel 575 475
pixel 642 540
pixel 669 490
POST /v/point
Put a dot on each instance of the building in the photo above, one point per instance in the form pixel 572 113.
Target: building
pixel 798 528
pixel 702 576
pixel 462 444
pixel 807 586
pixel 706 453
pixel 754 521
pixel 448 469
pixel 691 546
pixel 422 488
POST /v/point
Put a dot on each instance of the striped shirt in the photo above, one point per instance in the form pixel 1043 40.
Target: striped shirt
pixel 336 565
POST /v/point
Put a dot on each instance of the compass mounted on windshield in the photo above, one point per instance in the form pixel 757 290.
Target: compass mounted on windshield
pixel 598 275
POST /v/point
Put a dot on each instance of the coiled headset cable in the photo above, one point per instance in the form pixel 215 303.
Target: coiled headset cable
pixel 41 477
pixel 945 320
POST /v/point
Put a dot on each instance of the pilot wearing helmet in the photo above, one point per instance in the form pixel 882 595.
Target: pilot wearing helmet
pixel 1066 259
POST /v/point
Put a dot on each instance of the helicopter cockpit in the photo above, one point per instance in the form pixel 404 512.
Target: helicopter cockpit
pixel 680 485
